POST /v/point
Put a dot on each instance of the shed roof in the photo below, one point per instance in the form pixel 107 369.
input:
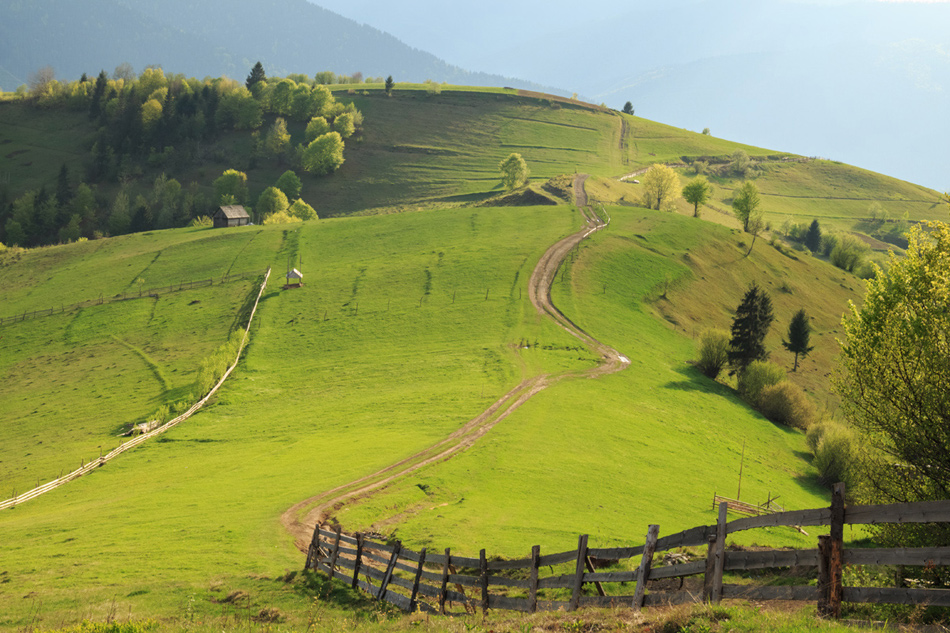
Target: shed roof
pixel 234 212
pixel 295 274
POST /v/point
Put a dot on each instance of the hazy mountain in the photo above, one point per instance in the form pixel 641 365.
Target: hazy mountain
pixel 863 82
pixel 212 37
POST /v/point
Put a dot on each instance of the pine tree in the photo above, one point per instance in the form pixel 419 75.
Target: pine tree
pixel 390 84
pixel 813 237
pixel 257 75
pixel 749 327
pixel 799 331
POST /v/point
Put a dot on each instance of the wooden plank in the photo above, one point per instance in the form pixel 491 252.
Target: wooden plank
pixel 331 535
pixel 347 551
pixel 558 559
pixel 710 569
pixel 669 598
pixel 590 569
pixel 408 554
pixel 578 573
pixel 915 556
pixel 455 596
pixel 461 561
pixel 372 572
pixel 687 538
pixel 533 579
pixel 615 553
pixel 646 562
pixel 504 581
pixel 373 546
pixel 771 558
pixel 918 512
pixel 505 565
pixel 678 571
pixel 373 556
pixel 787 592
pixel 336 551
pixel 429 591
pixel 465 580
pixel 836 566
pixel 891 595
pixel 511 604
pixel 446 561
pixel 606 601
pixel 719 558
pixel 367 587
pixel 389 572
pixel 820 516
pixel 397 599
pixel 431 576
pixel 556 582
pixel 401 566
pixel 611 576
pixel 399 581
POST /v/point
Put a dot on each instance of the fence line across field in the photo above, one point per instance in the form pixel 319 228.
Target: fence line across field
pixel 434 581
pixel 128 296
pixel 125 446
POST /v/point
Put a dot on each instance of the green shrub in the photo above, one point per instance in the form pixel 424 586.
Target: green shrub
pixel 756 377
pixel 837 455
pixel 828 243
pixel 786 403
pixel 713 348
pixel 201 221
pixel 849 253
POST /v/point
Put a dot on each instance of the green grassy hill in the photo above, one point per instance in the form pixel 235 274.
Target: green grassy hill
pixel 408 326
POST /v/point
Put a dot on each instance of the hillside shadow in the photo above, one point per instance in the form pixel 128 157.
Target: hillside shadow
pixel 695 381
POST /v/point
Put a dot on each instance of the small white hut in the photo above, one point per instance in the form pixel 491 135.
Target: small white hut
pixel 294 278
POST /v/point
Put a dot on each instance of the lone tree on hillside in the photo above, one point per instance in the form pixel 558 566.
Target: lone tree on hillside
pixel 745 204
pixel 749 327
pixel 697 192
pixel 661 185
pixel 628 108
pixel 390 84
pixel 813 237
pixel 799 332
pixel 256 75
pixel 514 171
pixel 893 383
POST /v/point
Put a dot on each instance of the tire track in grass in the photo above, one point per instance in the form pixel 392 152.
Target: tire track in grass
pixel 301 518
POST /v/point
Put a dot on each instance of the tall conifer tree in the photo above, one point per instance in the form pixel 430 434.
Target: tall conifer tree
pixel 799 332
pixel 749 327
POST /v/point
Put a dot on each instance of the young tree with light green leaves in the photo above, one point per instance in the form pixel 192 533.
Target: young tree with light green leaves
pixel 302 210
pixel 231 183
pixel 290 184
pixel 697 192
pixel 660 187
pixel 745 204
pixel 272 201
pixel 324 155
pixel 514 171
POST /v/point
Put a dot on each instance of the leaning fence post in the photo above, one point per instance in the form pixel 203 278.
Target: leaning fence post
pixel 359 558
pixel 483 579
pixel 311 551
pixel 415 583
pixel 533 582
pixel 389 571
pixel 710 569
pixel 646 561
pixel 720 557
pixel 336 552
pixel 579 573
pixel 831 552
pixel 445 580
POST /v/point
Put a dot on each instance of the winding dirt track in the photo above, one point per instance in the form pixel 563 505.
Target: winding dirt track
pixel 301 518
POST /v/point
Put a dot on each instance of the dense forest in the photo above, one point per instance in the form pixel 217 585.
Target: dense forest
pixel 157 121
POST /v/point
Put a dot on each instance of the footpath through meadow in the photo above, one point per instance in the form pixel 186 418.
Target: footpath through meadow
pixel 301 519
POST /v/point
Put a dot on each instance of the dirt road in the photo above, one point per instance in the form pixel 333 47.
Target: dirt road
pixel 302 517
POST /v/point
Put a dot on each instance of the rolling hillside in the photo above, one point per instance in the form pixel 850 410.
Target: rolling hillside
pixel 408 326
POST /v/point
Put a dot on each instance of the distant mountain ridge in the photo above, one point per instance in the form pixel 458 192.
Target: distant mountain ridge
pixel 212 37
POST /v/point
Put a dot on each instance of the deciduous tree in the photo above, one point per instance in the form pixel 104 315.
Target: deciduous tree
pixel 514 171
pixel 749 327
pixel 290 184
pixel 799 333
pixel 302 210
pixel 272 201
pixel 324 155
pixel 661 186
pixel 697 192
pixel 231 183
pixel 628 108
pixel 745 204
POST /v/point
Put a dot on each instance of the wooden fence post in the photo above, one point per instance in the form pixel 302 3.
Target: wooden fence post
pixel 837 549
pixel 389 571
pixel 579 573
pixel 359 559
pixel 646 561
pixel 415 583
pixel 824 576
pixel 710 569
pixel 719 559
pixel 336 552
pixel 312 551
pixel 445 580
pixel 533 582
pixel 483 580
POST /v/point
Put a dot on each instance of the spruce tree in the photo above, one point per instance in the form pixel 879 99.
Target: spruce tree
pixel 257 75
pixel 749 327
pixel 799 331
pixel 813 237
pixel 390 84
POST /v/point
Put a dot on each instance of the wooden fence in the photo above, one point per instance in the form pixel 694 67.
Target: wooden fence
pixel 85 468
pixel 432 581
pixel 127 296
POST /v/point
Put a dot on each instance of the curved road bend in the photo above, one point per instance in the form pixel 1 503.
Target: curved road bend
pixel 301 519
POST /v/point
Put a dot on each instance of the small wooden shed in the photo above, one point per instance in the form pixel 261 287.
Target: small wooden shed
pixel 294 278
pixel 231 215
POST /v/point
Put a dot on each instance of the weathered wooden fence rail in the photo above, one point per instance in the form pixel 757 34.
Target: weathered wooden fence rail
pixel 431 581
pixel 86 468
pixel 127 296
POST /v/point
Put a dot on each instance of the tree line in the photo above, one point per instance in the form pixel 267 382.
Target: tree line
pixel 168 123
